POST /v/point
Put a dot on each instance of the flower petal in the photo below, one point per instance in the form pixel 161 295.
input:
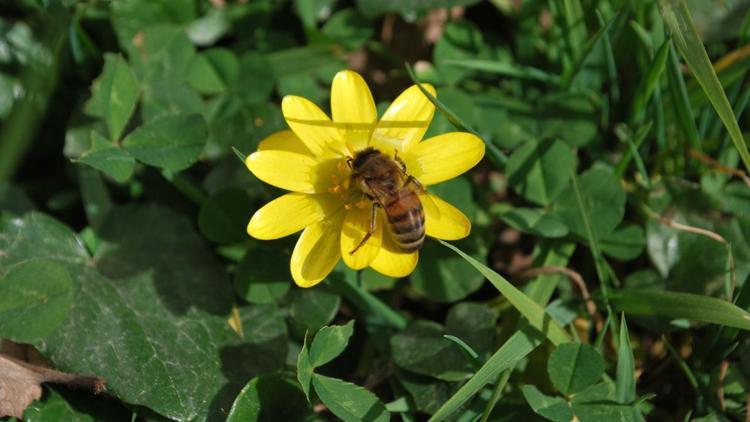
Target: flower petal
pixel 312 126
pixel 443 157
pixel 289 214
pixel 317 251
pixel 284 140
pixel 353 109
pixel 391 259
pixel 356 225
pixel 292 171
pixel 405 121
pixel 449 224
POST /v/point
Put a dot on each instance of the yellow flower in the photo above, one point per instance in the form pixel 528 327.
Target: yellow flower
pixel 311 161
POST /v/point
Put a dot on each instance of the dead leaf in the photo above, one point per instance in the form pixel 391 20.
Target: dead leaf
pixel 20 384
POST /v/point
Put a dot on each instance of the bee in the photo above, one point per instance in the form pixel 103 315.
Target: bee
pixel 384 181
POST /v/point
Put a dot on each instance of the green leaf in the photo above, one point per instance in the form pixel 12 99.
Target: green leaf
pixel 35 297
pixel 421 348
pixel 348 401
pixel 329 342
pixel 370 8
pixel 677 17
pixel 540 171
pixel 114 95
pixel 306 59
pixel 625 384
pixel 604 197
pixel 624 243
pixel 349 28
pixel 573 367
pixel 461 40
pixel 427 393
pixel 270 397
pixel 108 158
pixel 14 200
pixel 172 142
pixel 536 221
pixel 304 368
pixel 263 275
pixel 531 310
pixel 314 308
pixel 53 407
pixel 596 404
pixel 551 408
pixel 223 217
pixel 256 78
pixel 680 305
pixel 213 71
pixel 149 312
pixel 515 348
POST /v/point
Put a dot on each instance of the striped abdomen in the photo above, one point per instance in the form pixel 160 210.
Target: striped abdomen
pixel 405 218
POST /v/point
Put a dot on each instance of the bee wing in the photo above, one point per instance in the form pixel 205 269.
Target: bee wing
pixel 430 207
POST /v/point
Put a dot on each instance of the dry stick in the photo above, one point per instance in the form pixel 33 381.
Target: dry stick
pixel 721 168
pixel 722 377
pixel 576 278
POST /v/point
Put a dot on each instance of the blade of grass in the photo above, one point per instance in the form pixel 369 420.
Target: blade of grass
pixel 614 89
pixel 593 241
pixel 506 69
pixel 497 157
pixel 677 16
pixel 634 143
pixel 680 305
pixel 681 101
pixel 531 310
pixel 649 82
pixel 569 76
pixel 625 381
pixel 516 348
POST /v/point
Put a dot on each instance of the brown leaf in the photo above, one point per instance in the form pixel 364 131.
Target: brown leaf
pixel 20 384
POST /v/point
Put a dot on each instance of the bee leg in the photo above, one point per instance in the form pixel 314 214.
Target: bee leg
pixel 369 232
pixel 400 162
pixel 413 181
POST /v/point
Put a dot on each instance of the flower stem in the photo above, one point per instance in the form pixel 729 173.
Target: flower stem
pixel 365 301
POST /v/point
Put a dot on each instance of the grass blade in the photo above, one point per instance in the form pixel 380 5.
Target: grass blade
pixel 498 157
pixel 506 69
pixel 680 305
pixel 678 19
pixel 516 348
pixel 531 310
pixel 625 382
pixel 649 82
pixel 681 101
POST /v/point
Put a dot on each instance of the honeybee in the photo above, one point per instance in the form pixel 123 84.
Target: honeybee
pixel 384 181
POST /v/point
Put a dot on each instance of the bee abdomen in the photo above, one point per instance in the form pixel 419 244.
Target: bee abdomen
pixel 406 220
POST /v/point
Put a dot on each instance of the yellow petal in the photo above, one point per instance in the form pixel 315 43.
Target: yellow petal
pixel 292 171
pixel 353 109
pixel 356 225
pixel 443 157
pixel 312 126
pixel 289 214
pixel 317 251
pixel 391 259
pixel 449 224
pixel 284 140
pixel 406 120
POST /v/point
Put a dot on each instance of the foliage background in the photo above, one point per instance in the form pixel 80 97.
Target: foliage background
pixel 611 192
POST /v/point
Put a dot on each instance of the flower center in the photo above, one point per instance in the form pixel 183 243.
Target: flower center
pixel 341 186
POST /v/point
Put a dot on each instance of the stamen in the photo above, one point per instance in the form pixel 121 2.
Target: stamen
pixel 335 189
